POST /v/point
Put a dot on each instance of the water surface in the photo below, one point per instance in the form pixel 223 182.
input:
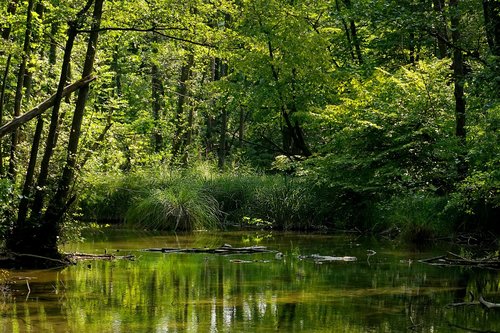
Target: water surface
pixel 387 292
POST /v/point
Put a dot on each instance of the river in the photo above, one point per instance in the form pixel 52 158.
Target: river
pixel 385 290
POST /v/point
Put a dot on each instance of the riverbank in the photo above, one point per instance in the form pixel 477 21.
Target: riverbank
pixel 193 200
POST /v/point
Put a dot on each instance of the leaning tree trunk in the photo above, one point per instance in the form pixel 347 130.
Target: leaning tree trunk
pixel 36 237
pixel 59 203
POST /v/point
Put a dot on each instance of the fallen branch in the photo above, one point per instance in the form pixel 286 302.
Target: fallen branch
pixel 482 302
pixel 456 260
pixel 62 262
pixel 225 249
pixel 86 256
pixel 321 259
pixel 42 107
pixel 487 304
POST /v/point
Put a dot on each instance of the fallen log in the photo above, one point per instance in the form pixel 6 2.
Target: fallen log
pixel 488 305
pixel 225 249
pixel 321 259
pixel 482 302
pixel 455 260
pixel 86 256
pixel 42 107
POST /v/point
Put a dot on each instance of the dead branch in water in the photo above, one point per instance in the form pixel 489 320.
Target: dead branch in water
pixel 452 259
pixel 86 256
pixel 224 249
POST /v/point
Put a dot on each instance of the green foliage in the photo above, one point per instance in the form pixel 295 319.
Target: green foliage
pixel 376 109
pixel 393 133
pixel 6 203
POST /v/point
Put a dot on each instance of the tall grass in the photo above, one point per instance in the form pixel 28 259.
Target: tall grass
pixel 180 207
pixel 420 217
pixel 198 199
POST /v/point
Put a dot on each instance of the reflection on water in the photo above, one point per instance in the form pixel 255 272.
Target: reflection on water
pixel 387 292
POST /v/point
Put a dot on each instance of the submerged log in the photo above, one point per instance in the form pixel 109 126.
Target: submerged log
pixel 224 249
pixel 452 259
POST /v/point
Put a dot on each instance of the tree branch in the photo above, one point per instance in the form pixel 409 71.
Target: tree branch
pixel 155 30
pixel 42 107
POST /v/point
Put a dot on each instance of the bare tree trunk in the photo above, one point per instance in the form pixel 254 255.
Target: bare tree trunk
pixel 19 90
pixel 38 237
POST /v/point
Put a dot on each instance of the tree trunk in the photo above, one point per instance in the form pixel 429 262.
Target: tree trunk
pixel 30 174
pixel 156 95
pixel 180 121
pixel 54 28
pixel 28 80
pixel 11 9
pixel 354 33
pixel 411 48
pixel 58 204
pixel 347 33
pixel 441 30
pixel 2 101
pixel 54 119
pixel 241 127
pixel 458 78
pixel 491 9
pixel 19 90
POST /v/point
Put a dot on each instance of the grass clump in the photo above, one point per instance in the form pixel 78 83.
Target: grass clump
pixel 178 207
pixel 420 217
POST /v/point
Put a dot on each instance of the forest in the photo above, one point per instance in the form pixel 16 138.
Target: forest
pixel 377 116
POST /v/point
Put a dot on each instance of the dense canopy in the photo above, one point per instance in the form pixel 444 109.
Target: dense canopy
pixel 370 105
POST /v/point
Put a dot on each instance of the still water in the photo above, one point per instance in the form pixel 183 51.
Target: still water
pixel 386 292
